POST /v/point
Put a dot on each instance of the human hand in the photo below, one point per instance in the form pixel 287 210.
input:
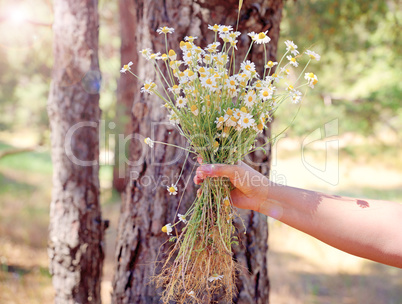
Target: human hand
pixel 251 186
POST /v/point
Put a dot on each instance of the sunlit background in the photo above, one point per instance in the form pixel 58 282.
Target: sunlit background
pixel 360 87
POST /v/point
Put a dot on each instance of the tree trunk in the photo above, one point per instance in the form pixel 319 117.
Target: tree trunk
pixel 76 228
pixel 146 204
pixel 125 90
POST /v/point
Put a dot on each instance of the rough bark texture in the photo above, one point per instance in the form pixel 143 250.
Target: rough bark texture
pixel 146 204
pixel 76 228
pixel 126 89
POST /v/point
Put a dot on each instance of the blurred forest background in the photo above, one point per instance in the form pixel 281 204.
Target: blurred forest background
pixel 360 84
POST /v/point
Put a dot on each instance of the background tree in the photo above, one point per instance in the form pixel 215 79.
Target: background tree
pixel 146 204
pixel 76 228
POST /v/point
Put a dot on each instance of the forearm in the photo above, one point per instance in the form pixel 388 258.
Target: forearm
pixel 366 228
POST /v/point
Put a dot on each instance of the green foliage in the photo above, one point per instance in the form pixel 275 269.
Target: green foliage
pixel 359 77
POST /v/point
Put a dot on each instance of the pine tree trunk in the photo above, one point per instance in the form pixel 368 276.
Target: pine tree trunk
pixel 146 204
pixel 76 228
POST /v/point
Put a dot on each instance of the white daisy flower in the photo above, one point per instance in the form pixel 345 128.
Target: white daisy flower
pixel 262 38
pixel 167 229
pixel 226 201
pixel 190 38
pixel 219 122
pixel 231 122
pixel 194 110
pixel 246 121
pixel 146 53
pixel 253 36
pixel 175 89
pixel 215 277
pixel 249 99
pixel 284 71
pixel 214 28
pixel 274 77
pixel 165 30
pixel 292 61
pixel 225 29
pixel 296 96
pixel 181 102
pixel 290 46
pixel 270 64
pixel 148 87
pixel 212 47
pixel 149 142
pixel 126 67
pixel 172 189
pixel 174 119
pixel 248 67
pixel 311 79
pixel 313 55
pixel 208 82
pixel 182 218
pixel 266 93
pixel 155 56
pixel 172 55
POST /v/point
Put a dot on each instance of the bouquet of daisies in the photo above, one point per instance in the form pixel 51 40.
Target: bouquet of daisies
pixel 220 111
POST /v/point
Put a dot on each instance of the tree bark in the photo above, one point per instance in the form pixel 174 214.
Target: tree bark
pixel 125 90
pixel 76 228
pixel 146 204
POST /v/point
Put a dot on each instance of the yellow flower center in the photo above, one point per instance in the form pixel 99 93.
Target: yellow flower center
pixel 193 108
pixel 164 229
pixel 270 64
pixel 226 202
pixel 216 144
pixel 125 67
pixel 182 44
pixel 248 67
pixel 190 73
pixel 265 93
pixel 243 109
pixel 215 27
pixel 261 35
pixel 172 189
pixel 172 53
pixel 293 59
pixel 188 45
pixel 147 86
pixel 232 82
pixel 250 98
pixel 290 88
pixel 225 29
pixel 202 70
pixel 274 75
pixel 229 112
pixel 221 119
pixel 260 126
pixel 315 81
pixel 209 81
pixel 311 75
pixel 175 86
pixel 233 118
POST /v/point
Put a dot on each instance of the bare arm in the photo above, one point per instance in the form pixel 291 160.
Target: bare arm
pixel 370 229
